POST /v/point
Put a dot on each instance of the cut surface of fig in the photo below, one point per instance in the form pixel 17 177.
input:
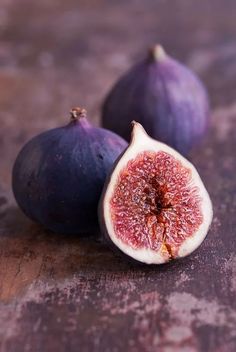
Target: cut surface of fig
pixel 155 207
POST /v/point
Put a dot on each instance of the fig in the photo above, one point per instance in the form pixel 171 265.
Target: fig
pixel 154 207
pixel 163 95
pixel 58 176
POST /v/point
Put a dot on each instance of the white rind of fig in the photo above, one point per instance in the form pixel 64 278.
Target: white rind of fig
pixel 140 142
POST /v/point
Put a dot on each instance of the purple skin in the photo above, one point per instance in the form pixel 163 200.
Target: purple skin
pixel 58 176
pixel 165 97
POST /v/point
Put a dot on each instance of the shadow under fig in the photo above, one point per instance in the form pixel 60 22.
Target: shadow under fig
pixel 52 256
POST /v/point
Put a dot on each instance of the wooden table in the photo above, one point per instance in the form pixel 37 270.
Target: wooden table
pixel 60 293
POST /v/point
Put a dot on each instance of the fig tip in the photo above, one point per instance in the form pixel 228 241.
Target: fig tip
pixel 136 125
pixel 137 129
pixel 77 112
pixel 157 52
pixel 133 123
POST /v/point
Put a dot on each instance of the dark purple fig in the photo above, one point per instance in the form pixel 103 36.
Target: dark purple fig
pixel 165 97
pixel 154 207
pixel 58 176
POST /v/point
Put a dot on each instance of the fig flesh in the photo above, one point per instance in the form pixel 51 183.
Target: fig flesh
pixel 58 176
pixel 154 206
pixel 166 97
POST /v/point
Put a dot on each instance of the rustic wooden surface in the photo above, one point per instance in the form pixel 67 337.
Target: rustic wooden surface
pixel 60 293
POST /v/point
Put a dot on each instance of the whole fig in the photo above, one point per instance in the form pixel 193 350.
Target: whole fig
pixel 165 97
pixel 58 176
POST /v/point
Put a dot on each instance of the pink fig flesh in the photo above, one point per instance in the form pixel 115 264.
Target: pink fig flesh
pixel 155 207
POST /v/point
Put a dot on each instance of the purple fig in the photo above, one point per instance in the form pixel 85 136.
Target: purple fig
pixel 58 176
pixel 165 97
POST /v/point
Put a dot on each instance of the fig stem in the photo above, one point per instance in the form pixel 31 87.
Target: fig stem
pixel 138 131
pixel 157 53
pixel 77 113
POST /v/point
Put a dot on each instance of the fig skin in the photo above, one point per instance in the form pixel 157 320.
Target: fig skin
pixel 58 175
pixel 140 142
pixel 166 97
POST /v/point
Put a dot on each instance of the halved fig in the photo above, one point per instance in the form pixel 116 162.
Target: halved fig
pixel 154 206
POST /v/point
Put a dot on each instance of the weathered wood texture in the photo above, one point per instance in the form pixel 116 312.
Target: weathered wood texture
pixel 61 293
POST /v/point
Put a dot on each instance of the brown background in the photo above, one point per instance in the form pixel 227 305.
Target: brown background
pixel 61 293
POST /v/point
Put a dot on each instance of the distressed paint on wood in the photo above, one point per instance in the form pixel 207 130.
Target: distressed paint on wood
pixel 61 293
